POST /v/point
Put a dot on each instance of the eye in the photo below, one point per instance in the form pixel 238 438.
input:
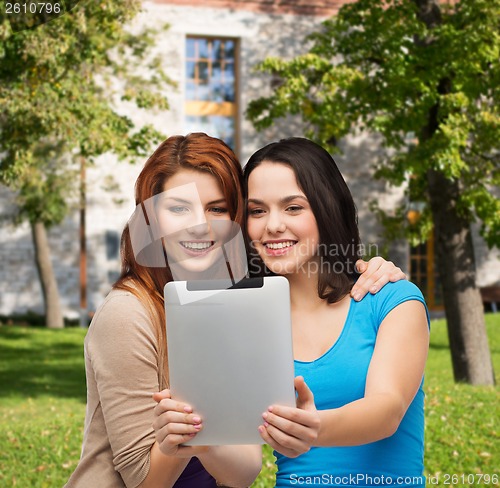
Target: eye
pixel 218 210
pixel 178 209
pixel 255 212
pixel 294 208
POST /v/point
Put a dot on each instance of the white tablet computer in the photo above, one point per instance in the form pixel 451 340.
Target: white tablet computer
pixel 230 354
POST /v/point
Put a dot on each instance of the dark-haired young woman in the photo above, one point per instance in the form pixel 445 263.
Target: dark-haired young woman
pixel 359 419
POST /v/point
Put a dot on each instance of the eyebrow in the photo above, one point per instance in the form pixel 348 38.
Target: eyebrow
pixel 177 199
pixel 215 202
pixel 188 202
pixel 283 200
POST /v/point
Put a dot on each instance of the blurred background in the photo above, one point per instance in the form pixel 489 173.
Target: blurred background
pixel 403 93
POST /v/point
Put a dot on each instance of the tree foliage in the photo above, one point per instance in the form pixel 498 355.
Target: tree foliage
pixel 423 75
pixel 58 86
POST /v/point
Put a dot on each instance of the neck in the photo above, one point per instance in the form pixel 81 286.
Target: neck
pixel 304 291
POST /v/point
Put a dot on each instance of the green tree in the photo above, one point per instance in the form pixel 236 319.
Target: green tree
pixel 58 82
pixel 425 76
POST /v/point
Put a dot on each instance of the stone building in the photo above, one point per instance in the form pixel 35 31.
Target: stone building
pixel 210 50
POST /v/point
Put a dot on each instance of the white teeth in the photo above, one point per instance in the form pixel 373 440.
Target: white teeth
pixel 197 245
pixel 279 245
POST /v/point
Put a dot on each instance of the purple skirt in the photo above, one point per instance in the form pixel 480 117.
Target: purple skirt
pixel 195 476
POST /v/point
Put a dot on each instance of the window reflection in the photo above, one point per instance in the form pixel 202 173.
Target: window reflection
pixel 210 62
pixel 211 87
pixel 214 125
pixel 190 48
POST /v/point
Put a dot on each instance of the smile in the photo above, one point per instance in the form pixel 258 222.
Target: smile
pixel 278 248
pixel 197 247
pixel 280 245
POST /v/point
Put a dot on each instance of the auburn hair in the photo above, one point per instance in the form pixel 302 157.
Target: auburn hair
pixel 196 151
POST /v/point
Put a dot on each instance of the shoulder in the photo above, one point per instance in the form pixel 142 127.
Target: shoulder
pixel 394 294
pixel 118 307
pixel 117 299
pixel 121 316
pixel 400 288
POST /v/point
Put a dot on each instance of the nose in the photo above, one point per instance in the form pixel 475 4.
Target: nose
pixel 200 225
pixel 275 223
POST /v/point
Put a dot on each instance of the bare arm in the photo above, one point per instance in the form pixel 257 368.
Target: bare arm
pixel 163 470
pixel 394 376
pixel 235 466
pixel 175 423
pixel 172 428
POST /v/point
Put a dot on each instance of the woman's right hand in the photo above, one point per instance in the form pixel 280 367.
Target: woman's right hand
pixel 292 431
pixel 174 424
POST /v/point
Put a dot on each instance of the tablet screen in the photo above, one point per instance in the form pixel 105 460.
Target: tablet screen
pixel 230 354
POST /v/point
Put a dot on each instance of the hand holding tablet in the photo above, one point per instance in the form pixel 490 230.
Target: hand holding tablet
pixel 230 354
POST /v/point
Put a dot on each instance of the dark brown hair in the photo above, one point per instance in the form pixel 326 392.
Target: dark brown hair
pixel 331 202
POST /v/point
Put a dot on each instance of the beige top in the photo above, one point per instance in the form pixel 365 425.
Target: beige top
pixel 121 363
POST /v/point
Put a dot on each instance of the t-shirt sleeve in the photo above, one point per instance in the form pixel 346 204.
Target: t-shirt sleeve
pixel 122 347
pixel 394 294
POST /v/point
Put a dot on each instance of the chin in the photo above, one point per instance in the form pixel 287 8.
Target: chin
pixel 202 268
pixel 281 268
pixel 197 265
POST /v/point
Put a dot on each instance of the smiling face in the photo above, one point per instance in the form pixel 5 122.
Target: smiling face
pixel 280 223
pixel 191 214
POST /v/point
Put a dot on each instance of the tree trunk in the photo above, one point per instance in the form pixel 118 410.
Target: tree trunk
pixel 53 312
pixel 84 314
pixel 470 352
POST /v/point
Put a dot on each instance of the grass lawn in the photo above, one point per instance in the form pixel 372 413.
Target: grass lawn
pixel 42 407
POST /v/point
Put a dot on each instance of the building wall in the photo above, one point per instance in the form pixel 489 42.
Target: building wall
pixel 321 8
pixel 262 32
pixel 487 261
pixel 106 216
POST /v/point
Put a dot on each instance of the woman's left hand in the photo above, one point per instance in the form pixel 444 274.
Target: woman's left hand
pixel 375 274
pixel 292 431
pixel 174 424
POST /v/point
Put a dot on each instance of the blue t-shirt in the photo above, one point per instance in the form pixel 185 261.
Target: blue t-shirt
pixel 337 378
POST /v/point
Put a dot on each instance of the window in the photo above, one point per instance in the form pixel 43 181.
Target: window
pixel 211 88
